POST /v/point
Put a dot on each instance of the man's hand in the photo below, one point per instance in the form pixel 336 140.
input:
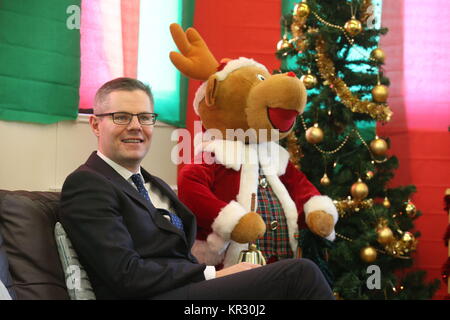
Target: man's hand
pixel 243 266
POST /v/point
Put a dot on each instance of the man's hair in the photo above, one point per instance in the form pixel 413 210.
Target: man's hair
pixel 119 84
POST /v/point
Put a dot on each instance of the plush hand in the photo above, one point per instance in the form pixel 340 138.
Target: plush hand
pixel 249 228
pixel 320 223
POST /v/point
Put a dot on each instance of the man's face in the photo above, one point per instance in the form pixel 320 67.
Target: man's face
pixel 128 144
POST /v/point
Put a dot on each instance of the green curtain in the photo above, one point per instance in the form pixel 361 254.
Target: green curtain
pixel 287 6
pixel 39 61
pixel 171 106
pixel 187 21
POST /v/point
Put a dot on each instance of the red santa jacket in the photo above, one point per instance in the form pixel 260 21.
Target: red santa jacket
pixel 218 187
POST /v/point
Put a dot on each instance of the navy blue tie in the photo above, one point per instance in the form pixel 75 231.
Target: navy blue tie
pixel 139 183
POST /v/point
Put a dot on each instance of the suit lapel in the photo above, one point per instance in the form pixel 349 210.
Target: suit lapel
pixel 102 167
pixel 181 210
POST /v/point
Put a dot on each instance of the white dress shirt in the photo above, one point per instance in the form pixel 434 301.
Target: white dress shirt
pixel 4 294
pixel 158 199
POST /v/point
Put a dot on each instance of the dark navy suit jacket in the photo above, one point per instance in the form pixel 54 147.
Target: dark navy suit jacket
pixel 129 250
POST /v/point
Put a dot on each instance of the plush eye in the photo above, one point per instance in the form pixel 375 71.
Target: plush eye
pixel 260 77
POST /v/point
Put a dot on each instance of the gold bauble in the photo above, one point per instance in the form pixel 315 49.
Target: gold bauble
pixel 410 209
pixel 408 237
pixel 369 174
pixel 394 247
pixel 409 242
pixel 378 146
pixel 301 10
pixel 359 190
pixel 353 27
pixel 325 181
pixel 378 55
pixel 368 254
pixel 309 81
pixel 283 44
pixel 386 202
pixel 385 235
pixel 380 93
pixel 314 134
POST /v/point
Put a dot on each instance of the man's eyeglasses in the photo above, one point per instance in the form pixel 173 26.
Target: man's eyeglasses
pixel 124 118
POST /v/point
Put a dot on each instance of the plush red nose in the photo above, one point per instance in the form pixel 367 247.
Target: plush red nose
pixel 291 74
pixel 282 119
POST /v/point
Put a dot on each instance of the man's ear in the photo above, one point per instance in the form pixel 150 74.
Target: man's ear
pixel 94 122
pixel 211 90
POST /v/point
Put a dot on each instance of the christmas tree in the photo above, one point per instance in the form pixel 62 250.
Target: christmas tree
pixel 332 45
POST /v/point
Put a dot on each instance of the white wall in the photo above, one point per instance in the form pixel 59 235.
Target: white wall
pixel 38 157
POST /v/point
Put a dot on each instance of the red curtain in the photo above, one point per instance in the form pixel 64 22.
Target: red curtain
pixel 236 28
pixel 418 50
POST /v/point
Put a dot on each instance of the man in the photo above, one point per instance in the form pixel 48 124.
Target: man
pixel 134 238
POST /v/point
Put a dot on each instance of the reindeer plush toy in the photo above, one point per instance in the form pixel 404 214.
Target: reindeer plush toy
pixel 241 96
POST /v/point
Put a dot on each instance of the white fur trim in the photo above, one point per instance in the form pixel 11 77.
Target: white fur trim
pixel 199 96
pixel 233 154
pixel 331 236
pixel 202 251
pixel 227 219
pixel 235 64
pixel 216 243
pixel 273 158
pixel 323 203
pixel 228 153
pixel 248 182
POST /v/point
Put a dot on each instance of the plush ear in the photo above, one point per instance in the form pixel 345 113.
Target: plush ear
pixel 211 90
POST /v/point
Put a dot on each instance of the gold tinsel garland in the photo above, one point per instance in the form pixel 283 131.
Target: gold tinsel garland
pixel 294 149
pixel 350 205
pixel 299 38
pixel 299 21
pixel 398 248
pixel 380 112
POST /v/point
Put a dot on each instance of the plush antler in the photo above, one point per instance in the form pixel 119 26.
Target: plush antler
pixel 195 60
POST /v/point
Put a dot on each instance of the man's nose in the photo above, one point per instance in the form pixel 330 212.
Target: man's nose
pixel 134 123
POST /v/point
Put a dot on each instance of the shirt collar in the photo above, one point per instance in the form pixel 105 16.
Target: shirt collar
pixel 124 172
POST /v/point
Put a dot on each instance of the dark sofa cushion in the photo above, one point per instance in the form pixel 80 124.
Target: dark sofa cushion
pixel 5 277
pixel 27 221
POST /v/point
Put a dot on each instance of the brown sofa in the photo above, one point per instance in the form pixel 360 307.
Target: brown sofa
pixel 27 221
